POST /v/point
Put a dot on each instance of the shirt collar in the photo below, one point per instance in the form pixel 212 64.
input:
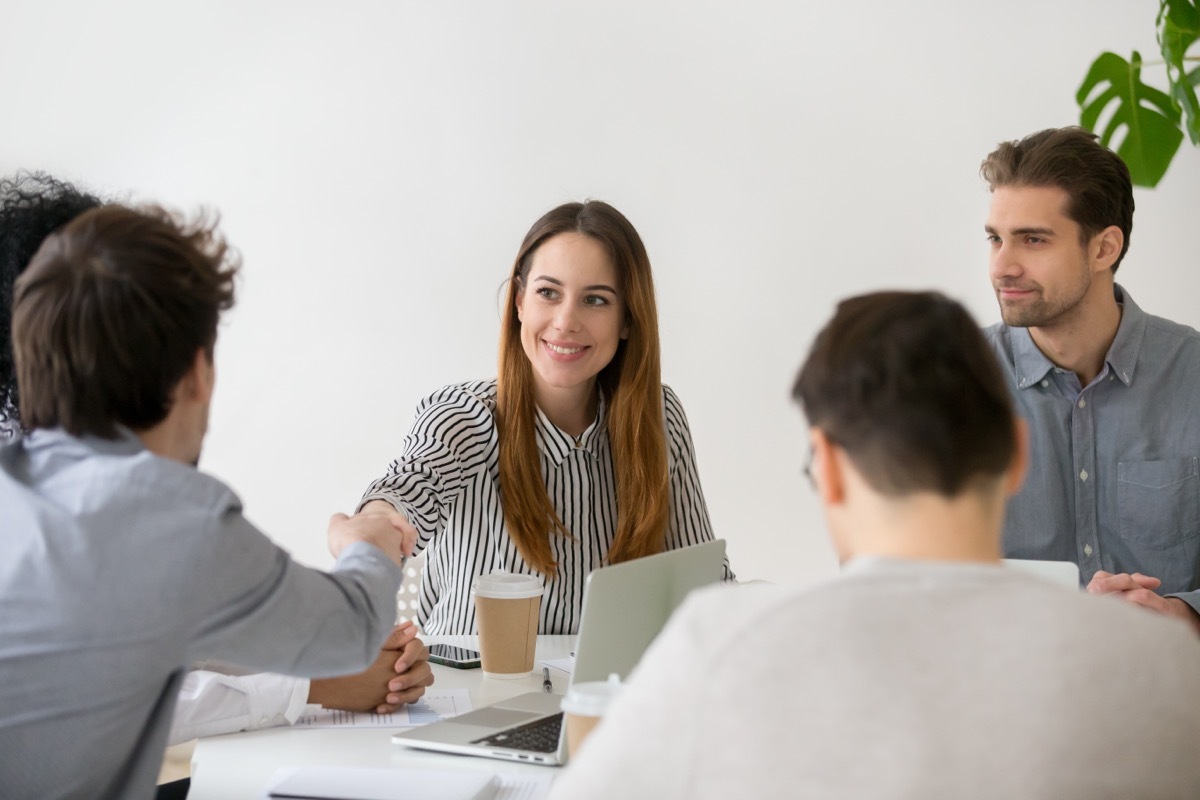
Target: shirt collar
pixel 126 442
pixel 557 444
pixel 1123 354
pixel 1033 365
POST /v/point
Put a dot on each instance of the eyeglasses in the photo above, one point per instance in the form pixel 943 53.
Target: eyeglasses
pixel 808 469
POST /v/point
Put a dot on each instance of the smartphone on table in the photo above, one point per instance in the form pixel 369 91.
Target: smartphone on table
pixel 451 656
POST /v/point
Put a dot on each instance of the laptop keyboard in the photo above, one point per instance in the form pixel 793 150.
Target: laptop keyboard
pixel 539 736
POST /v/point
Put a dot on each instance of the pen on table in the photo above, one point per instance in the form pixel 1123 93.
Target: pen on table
pixel 547 686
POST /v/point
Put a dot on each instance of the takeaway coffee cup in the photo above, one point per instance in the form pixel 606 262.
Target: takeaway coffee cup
pixel 507 607
pixel 583 707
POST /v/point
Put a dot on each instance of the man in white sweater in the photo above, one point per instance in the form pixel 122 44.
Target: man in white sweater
pixel 926 669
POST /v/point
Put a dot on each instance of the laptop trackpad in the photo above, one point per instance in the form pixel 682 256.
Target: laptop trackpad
pixel 497 717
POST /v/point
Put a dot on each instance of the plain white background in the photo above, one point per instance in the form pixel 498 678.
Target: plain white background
pixel 377 164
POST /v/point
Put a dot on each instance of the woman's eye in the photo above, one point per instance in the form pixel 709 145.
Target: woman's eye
pixel 595 300
pixel 547 292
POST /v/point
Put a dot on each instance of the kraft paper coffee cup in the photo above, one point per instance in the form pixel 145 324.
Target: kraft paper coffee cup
pixel 584 706
pixel 507 607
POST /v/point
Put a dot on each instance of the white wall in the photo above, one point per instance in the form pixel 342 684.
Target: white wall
pixel 378 163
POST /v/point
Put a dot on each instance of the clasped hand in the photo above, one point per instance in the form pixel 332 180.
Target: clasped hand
pixel 399 675
pixel 1139 590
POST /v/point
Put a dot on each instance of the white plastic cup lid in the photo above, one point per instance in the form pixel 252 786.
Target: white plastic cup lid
pixel 507 585
pixel 592 698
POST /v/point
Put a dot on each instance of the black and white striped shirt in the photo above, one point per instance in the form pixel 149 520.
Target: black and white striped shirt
pixel 447 484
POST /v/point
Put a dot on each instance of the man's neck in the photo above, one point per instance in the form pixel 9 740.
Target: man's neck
pixel 1081 343
pixel 929 527
pixel 163 442
pixel 178 437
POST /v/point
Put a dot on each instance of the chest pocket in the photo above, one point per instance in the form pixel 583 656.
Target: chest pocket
pixel 1158 502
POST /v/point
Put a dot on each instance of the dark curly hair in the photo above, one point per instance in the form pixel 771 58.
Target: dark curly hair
pixel 32 206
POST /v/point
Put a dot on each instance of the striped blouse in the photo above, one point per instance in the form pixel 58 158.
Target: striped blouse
pixel 447 483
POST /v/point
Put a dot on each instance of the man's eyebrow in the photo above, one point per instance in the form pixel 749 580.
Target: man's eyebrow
pixel 1027 231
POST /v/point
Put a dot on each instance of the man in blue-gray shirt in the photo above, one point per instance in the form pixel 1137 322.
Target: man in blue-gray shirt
pixel 118 557
pixel 1110 393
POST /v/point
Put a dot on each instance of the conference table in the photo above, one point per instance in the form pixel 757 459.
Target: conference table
pixel 240 765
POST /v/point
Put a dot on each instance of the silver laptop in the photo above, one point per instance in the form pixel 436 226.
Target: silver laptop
pixel 1063 573
pixel 624 608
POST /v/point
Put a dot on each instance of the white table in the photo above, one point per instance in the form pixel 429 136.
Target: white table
pixel 239 765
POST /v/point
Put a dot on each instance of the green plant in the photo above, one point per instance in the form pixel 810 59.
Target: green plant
pixel 1154 121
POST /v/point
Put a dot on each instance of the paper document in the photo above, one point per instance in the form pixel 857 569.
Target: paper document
pixel 434 706
pixel 566 665
pixel 361 783
pixel 522 787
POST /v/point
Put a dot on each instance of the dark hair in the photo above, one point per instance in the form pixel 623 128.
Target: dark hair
pixel 110 314
pixel 631 382
pixel 905 383
pixel 1095 178
pixel 32 206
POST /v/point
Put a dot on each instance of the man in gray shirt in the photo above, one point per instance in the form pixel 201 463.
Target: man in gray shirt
pixel 926 669
pixel 118 557
pixel 1109 392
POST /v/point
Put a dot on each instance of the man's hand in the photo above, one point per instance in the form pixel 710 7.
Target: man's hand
pixel 388 530
pixel 413 673
pixel 398 676
pixel 1139 590
pixel 384 508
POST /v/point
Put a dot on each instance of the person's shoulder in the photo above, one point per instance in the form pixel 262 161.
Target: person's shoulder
pixel 673 409
pixel 184 486
pixel 999 338
pixel 1097 621
pixel 145 482
pixel 472 397
pixel 730 611
pixel 461 415
pixel 1167 330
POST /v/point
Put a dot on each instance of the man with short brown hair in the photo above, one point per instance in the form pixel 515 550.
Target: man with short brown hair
pixel 1109 391
pixel 118 556
pixel 926 669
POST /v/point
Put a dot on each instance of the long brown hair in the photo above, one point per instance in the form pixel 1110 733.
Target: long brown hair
pixel 632 387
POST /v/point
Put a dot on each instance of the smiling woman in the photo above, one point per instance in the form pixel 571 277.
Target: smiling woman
pixel 575 456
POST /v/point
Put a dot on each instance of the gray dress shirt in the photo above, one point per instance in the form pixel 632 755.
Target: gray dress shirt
pixel 118 568
pixel 1114 479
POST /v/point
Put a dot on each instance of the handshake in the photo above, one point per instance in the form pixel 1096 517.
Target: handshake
pixel 378 524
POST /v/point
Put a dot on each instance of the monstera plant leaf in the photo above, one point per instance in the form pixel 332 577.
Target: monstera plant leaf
pixel 1178 29
pixel 1148 115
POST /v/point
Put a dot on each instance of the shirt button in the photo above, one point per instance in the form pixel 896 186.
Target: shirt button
pixel 1045 383
pixel 1082 402
pixel 1083 474
pixel 1087 549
